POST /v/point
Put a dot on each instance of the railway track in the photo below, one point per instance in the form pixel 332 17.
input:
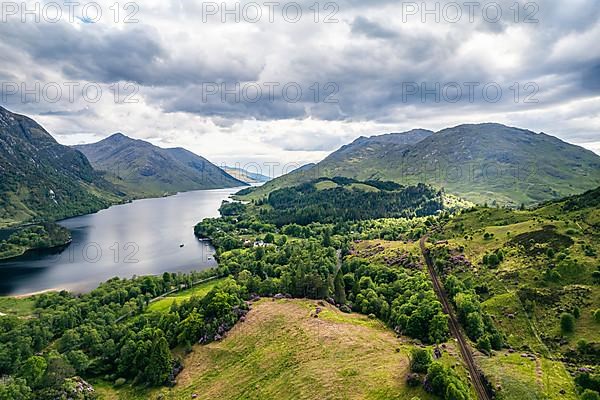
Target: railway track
pixel 465 349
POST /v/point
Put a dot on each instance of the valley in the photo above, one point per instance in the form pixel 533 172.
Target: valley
pixel 281 284
pixel 330 287
pixel 342 200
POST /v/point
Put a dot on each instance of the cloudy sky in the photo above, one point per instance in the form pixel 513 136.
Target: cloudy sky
pixel 289 82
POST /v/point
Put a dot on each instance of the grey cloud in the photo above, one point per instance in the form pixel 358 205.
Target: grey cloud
pixel 100 54
pixel 376 55
pixel 362 25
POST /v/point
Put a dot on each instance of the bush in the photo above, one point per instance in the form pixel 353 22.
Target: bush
pixel 484 345
pixel 444 382
pixel 597 315
pixel 590 395
pixel 553 275
pixel 567 323
pixel 420 360
pixel 345 309
pixel 587 381
pixel 497 341
pixel 583 346
pixel 120 382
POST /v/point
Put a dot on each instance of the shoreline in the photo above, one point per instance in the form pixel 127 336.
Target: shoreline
pixel 196 264
pixel 31 294
pixel 62 246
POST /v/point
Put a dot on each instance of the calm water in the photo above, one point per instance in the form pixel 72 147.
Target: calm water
pixel 140 238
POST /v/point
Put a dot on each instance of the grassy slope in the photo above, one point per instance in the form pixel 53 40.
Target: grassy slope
pixel 18 307
pixel 523 379
pixel 283 352
pixel 518 377
pixel 199 291
pixel 538 332
pixel 480 163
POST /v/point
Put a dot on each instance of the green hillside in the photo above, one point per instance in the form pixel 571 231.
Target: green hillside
pixel 480 163
pixel 42 179
pixel 344 199
pixel 282 352
pixel 142 169
pixel 531 271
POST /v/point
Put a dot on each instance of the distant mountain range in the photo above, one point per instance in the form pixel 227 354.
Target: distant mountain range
pixel 245 175
pixel 478 162
pixel 42 179
pixel 144 169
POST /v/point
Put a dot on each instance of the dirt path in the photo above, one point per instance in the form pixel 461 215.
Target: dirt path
pixel 539 373
pixel 465 349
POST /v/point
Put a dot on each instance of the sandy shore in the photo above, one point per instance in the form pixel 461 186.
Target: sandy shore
pixel 26 295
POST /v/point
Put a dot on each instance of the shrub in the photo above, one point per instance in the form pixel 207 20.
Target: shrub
pixel 420 360
pixel 345 309
pixel 553 275
pixel 484 345
pixel 474 325
pixel 567 322
pixel 493 260
pixel 120 382
pixel 587 381
pixel 497 341
pixel 444 382
pixel 590 395
pixel 583 346
pixel 269 238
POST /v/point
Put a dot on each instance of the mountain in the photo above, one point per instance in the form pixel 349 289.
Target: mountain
pixel 478 162
pixel 42 179
pixel 245 175
pixel 143 169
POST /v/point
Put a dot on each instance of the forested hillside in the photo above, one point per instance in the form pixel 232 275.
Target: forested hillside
pixel 343 199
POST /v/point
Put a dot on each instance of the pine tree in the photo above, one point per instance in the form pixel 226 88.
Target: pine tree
pixel 160 363
pixel 339 288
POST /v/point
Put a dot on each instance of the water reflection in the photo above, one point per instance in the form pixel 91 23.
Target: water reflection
pixel 148 236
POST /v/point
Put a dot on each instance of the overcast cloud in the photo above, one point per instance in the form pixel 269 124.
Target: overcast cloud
pixel 296 91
